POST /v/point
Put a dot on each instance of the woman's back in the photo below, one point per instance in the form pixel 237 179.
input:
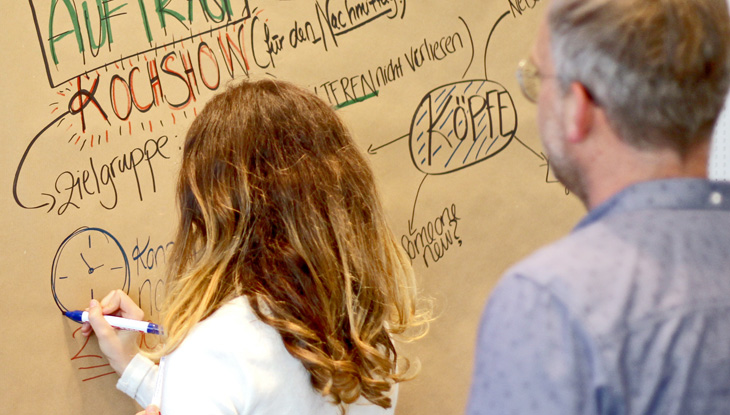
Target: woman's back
pixel 233 363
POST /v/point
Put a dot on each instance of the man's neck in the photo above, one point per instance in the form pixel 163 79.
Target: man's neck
pixel 613 174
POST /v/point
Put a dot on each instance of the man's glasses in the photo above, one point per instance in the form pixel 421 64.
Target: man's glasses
pixel 529 78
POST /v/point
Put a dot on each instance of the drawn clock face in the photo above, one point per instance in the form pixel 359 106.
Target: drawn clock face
pixel 89 264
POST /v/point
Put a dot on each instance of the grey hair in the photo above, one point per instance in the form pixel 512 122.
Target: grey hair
pixel 659 68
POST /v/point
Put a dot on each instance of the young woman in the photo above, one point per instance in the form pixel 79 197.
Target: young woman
pixel 286 284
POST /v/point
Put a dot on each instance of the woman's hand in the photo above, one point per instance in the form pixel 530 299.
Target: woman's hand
pixel 119 346
pixel 151 410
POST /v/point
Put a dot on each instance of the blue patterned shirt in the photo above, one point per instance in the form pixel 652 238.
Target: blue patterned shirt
pixel 629 314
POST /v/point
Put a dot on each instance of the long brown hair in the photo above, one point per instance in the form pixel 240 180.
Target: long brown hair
pixel 278 204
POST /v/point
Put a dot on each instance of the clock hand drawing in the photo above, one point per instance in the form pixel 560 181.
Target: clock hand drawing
pixel 88 264
pixel 91 269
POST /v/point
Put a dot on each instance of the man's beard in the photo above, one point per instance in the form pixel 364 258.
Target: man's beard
pixel 562 164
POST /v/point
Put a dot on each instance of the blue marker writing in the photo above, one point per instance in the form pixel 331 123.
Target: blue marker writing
pixel 118 322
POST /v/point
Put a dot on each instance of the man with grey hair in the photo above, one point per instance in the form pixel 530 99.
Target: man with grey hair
pixel 630 313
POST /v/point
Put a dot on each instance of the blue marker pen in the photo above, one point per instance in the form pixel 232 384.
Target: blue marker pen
pixel 118 322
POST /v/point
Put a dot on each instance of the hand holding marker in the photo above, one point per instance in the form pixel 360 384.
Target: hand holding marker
pixel 119 346
pixel 117 322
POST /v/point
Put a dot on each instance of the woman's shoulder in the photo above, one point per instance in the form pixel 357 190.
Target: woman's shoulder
pixel 233 343
pixel 235 311
pixel 234 325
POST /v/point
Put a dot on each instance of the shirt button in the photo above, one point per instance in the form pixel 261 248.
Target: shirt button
pixel 715 198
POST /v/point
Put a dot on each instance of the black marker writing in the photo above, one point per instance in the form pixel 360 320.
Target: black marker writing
pixel 100 179
pixel 431 241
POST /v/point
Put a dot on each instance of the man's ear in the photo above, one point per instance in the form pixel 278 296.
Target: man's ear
pixel 580 110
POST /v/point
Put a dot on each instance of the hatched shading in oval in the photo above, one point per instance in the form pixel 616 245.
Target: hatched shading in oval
pixel 461 124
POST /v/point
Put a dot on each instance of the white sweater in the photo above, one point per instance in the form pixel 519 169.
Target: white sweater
pixel 233 363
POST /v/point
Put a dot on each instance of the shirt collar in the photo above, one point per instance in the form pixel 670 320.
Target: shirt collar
pixel 681 193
